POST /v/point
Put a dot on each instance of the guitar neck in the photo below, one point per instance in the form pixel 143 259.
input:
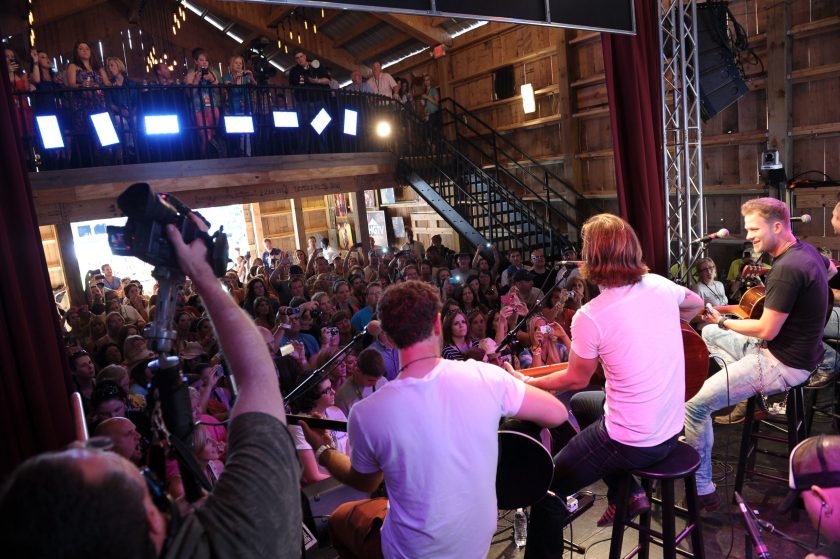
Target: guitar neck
pixel 316 423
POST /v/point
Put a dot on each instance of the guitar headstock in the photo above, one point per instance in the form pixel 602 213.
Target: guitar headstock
pixel 751 270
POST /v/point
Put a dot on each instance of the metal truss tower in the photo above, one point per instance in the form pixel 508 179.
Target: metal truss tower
pixel 681 134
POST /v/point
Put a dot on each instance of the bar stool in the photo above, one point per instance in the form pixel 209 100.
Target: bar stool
pixel 831 408
pixel 681 463
pixel 794 433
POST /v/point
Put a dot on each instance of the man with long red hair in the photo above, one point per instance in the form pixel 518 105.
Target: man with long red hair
pixel 633 329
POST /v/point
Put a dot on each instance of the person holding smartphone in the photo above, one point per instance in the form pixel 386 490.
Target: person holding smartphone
pixel 206 100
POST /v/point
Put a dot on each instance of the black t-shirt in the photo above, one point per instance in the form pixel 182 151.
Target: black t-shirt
pixel 540 278
pixel 298 77
pixel 797 284
pixel 254 510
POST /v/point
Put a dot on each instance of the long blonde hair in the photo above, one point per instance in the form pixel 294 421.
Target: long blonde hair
pixel 611 252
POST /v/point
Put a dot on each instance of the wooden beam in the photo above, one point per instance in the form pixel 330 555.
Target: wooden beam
pixel 70 264
pixel 419 27
pixel 256 225
pixel 572 168
pixel 779 88
pixel 298 223
pixel 359 29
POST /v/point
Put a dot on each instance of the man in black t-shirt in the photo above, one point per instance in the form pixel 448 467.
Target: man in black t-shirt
pixel 770 354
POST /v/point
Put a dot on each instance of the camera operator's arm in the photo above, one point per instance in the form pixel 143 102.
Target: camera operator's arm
pixel 238 337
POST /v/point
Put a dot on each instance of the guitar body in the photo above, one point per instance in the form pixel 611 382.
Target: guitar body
pixel 525 469
pixel 696 360
pixel 752 302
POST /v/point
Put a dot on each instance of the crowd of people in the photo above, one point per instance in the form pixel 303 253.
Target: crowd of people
pixel 426 329
pixel 209 95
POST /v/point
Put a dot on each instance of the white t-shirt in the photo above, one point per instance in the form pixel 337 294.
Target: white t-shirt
pixel 435 439
pixel 635 330
pixel 348 394
pixel 383 85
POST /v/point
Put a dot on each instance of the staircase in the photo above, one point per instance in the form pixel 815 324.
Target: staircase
pixel 486 188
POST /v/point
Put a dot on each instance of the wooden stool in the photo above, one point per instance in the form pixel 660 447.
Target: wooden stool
pixel 681 463
pixel 794 434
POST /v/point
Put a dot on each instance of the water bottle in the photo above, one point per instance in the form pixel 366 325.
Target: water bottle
pixel 520 528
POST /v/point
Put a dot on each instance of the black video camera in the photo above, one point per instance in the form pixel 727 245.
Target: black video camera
pixel 144 233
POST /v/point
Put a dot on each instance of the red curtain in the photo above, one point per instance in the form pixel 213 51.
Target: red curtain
pixel 34 405
pixel 631 65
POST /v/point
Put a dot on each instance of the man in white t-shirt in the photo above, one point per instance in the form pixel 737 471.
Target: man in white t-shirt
pixel 380 83
pixel 432 433
pixel 633 329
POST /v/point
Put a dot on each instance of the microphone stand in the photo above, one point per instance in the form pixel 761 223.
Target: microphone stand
pixel 321 372
pixel 172 390
pixel 531 312
pixel 753 535
pixel 684 276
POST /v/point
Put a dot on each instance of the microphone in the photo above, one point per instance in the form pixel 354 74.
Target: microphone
pixel 804 218
pixel 722 234
pixel 760 549
pixel 374 328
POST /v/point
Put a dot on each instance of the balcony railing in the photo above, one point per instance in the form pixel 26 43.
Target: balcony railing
pixel 200 113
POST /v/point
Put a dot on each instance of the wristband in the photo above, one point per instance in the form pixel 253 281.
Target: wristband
pixel 321 450
pixel 721 324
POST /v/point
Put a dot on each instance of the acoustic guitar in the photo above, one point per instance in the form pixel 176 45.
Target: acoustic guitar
pixel 524 470
pixel 751 304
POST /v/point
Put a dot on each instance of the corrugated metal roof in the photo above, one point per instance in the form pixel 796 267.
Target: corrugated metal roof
pixel 343 23
pixel 402 51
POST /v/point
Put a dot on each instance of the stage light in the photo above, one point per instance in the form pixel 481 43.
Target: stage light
pixel 239 125
pixel 351 121
pixel 321 120
pixel 105 130
pixel 50 132
pixel 383 129
pixel 529 104
pixel 161 124
pixel 285 119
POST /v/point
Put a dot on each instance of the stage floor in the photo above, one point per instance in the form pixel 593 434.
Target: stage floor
pixel 723 531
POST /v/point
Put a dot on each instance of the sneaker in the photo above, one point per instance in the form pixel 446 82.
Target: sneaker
pixel 709 502
pixel 636 505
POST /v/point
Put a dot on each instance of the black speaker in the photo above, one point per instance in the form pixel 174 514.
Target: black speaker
pixel 721 80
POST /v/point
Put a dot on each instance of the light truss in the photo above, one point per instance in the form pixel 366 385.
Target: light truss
pixel 681 134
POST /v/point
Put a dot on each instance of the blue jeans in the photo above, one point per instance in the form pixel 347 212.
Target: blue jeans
pixel 750 370
pixel 591 455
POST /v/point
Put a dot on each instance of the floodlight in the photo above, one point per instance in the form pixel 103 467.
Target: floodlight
pixel 239 125
pixel 285 119
pixel 351 120
pixel 321 120
pixel 161 124
pixel 383 129
pixel 105 130
pixel 50 132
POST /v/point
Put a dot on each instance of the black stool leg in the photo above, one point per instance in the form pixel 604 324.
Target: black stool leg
pixel 746 445
pixel 644 522
pixel 697 548
pixel 812 409
pixel 620 516
pixel 669 532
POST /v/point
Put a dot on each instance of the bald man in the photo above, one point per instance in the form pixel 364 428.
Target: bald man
pixel 123 435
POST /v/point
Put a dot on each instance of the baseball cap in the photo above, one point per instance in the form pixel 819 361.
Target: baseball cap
pixel 521 275
pixel 814 461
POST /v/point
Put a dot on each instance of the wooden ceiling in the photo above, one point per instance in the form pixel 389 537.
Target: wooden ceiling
pixel 345 40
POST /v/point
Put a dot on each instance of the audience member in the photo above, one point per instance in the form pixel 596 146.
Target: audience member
pixel 367 376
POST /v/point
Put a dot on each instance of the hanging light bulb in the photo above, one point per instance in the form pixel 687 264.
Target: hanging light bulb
pixel 322 12
pixel 147 68
pixel 174 31
pixel 279 44
pixel 165 56
pixel 314 29
pixel 174 18
pixel 286 49
pixel 174 62
pixel 298 38
pixel 291 35
pixel 306 24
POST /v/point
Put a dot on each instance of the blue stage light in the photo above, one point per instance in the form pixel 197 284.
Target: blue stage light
pixel 285 119
pixel 239 125
pixel 351 121
pixel 321 120
pixel 50 131
pixel 105 130
pixel 161 124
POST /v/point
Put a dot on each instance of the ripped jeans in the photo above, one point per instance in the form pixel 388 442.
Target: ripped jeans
pixel 752 369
